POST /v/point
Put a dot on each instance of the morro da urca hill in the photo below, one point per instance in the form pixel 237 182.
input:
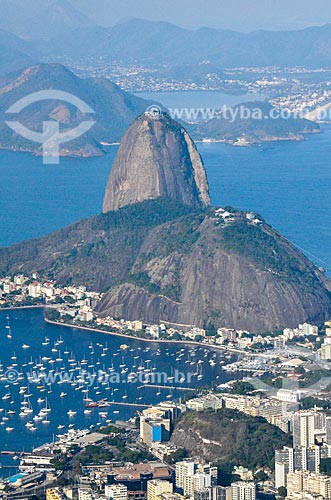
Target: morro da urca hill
pixel 156 158
pixel 161 253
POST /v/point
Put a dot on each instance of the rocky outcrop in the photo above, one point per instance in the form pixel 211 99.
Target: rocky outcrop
pixel 161 261
pixel 156 158
pixel 215 284
pixel 228 436
pixel 162 254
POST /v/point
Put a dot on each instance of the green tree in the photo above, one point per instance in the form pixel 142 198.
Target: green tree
pixel 240 387
pixel 325 466
pixel 261 476
pixel 282 491
pixel 176 456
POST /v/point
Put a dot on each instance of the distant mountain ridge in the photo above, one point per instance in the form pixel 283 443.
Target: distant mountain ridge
pixel 15 53
pixel 55 29
pixel 114 109
pixel 153 42
pixel 41 19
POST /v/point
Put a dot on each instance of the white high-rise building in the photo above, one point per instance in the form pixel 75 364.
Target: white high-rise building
pixel 308 329
pixel 192 477
pixel 8 287
pixel 328 430
pixel 157 487
pixel 213 493
pixel 303 429
pixel 298 459
pixel 116 492
pixel 196 482
pixel 310 482
pixel 325 350
pixel 284 463
pixel 201 481
pixel 86 494
pixel 35 289
pixel 243 490
pixel 184 470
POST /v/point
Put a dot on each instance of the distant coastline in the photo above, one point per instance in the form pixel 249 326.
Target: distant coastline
pixel 250 141
pixel 257 141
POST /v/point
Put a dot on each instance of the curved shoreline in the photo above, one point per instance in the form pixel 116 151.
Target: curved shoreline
pixel 155 341
pixel 41 306
pixel 131 337
pixel 22 307
pixel 126 336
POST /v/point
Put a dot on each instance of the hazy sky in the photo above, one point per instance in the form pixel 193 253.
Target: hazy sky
pixel 235 14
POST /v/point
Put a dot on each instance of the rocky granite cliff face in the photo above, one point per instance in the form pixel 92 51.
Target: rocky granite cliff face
pixel 156 158
pixel 160 261
pixel 161 253
pixel 199 271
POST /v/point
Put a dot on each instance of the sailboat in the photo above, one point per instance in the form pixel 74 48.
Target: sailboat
pixel 9 334
pixel 28 409
pixel 86 398
pixel 47 409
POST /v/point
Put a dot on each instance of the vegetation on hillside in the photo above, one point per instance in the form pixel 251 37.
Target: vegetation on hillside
pixel 265 249
pixel 254 126
pixel 98 252
pixel 311 402
pixel 95 455
pixel 161 246
pixel 241 387
pixel 232 435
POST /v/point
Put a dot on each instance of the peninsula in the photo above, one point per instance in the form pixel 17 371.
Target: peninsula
pixel 161 253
